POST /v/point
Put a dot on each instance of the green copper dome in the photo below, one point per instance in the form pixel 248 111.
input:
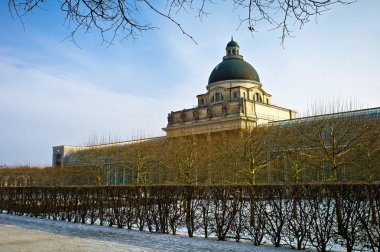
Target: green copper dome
pixel 233 67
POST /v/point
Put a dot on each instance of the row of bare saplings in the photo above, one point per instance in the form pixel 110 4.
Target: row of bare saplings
pixel 297 215
pixel 342 149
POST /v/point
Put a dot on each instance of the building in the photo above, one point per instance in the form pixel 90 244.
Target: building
pixel 234 100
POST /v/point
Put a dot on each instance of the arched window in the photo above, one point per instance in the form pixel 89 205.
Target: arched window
pixel 233 51
pixel 257 97
pixel 217 97
pixel 229 51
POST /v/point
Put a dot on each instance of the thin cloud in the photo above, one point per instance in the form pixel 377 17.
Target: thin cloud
pixel 41 107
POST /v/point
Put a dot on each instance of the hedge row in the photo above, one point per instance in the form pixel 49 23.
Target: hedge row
pixel 296 215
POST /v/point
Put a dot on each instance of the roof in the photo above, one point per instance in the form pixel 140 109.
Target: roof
pixel 370 113
pixel 232 43
pixel 233 69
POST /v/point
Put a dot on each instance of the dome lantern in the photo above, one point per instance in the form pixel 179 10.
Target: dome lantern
pixel 232 50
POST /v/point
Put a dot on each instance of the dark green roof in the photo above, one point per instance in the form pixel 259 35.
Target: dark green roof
pixel 233 69
pixel 232 43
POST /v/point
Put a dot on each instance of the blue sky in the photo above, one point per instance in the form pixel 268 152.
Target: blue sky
pixel 55 93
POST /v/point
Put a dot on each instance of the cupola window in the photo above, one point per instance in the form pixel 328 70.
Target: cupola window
pixel 217 97
pixel 201 101
pixel 257 97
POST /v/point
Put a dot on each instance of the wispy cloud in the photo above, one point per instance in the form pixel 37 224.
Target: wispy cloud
pixel 43 106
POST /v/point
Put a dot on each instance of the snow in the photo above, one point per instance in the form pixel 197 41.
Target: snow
pixel 21 233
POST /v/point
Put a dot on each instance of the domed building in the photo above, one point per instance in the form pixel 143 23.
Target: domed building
pixel 234 100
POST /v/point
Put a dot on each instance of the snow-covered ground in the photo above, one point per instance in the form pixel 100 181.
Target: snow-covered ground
pixel 20 233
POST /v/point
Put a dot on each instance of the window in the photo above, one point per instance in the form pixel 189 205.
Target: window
pixel 229 51
pixel 201 101
pixel 233 51
pixel 217 97
pixel 257 97
pixel 343 174
pixel 235 96
pixel 58 159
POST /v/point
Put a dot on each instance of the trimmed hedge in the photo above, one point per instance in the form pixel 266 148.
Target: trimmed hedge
pixel 296 215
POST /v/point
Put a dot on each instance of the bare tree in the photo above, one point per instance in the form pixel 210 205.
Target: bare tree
pixel 332 143
pixel 184 156
pixel 225 163
pixel 292 165
pixel 368 151
pixel 257 151
pixel 127 18
pixel 139 158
